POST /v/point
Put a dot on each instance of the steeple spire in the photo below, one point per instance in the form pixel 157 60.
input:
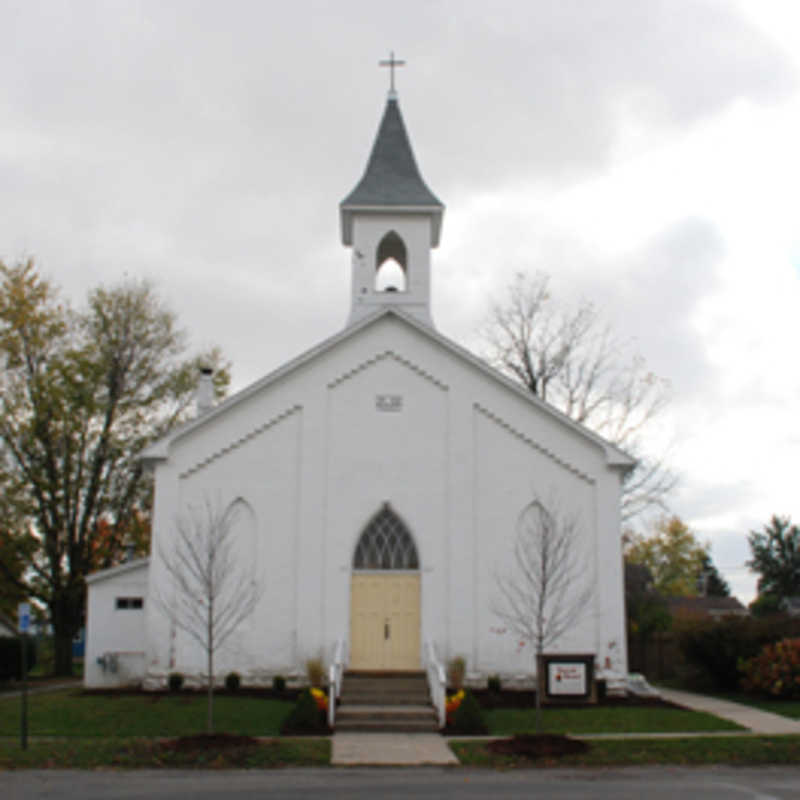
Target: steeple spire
pixel 392 179
pixel 391 220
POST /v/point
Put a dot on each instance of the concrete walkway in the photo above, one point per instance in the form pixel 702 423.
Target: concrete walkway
pixel 754 719
pixel 395 749
pixel 390 749
pixel 33 688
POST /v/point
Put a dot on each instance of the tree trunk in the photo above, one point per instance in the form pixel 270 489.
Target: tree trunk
pixel 210 713
pixel 65 616
pixel 539 687
pixel 62 664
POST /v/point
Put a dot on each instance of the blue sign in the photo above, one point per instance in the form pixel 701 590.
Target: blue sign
pixel 24 617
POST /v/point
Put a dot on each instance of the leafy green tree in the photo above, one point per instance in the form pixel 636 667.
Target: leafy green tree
pixel 673 555
pixel 646 609
pixel 712 584
pixel 765 605
pixel 83 392
pixel 776 558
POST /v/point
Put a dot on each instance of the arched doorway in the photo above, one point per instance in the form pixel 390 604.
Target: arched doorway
pixel 385 597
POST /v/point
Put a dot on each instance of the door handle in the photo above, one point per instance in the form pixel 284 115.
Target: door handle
pixel 386 629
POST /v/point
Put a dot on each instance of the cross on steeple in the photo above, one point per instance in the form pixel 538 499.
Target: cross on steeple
pixel 391 62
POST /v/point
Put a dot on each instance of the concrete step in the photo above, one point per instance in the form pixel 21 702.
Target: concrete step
pixel 375 687
pixel 395 702
pixel 386 726
pixel 351 698
pixel 387 687
pixel 401 678
pixel 384 673
pixel 409 719
pixel 384 711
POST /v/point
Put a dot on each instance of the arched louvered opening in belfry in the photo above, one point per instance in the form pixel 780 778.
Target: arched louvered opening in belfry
pixel 386 543
pixel 391 264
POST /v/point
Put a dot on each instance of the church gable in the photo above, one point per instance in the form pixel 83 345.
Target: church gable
pixel 386 335
pixel 379 476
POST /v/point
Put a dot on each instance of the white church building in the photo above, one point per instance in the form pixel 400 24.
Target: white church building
pixel 379 478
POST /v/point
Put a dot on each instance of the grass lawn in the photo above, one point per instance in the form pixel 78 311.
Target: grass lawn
pixel 734 750
pixel 71 713
pixel 605 719
pixel 132 753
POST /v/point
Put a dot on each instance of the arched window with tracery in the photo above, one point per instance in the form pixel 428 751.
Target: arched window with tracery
pixel 386 543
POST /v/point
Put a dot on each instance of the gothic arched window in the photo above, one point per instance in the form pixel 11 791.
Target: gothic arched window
pixel 391 264
pixel 385 544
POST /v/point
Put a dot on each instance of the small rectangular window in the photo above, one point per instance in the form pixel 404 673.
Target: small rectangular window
pixel 130 602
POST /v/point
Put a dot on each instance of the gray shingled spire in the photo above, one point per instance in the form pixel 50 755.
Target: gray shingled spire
pixel 391 181
pixel 392 177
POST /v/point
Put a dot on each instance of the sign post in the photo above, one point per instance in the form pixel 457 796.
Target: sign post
pixel 24 617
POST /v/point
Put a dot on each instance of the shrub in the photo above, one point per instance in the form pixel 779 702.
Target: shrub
pixel 11 656
pixel 279 684
pixel 468 718
pixel 233 681
pixel 493 684
pixel 716 648
pixel 305 717
pixel 775 671
pixel 452 702
pixel 175 681
pixel 315 670
pixel 320 698
pixel 456 669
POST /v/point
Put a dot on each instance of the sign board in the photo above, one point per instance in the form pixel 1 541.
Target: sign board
pixel 24 617
pixel 566 678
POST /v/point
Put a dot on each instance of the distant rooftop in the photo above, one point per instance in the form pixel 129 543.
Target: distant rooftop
pixel 707 606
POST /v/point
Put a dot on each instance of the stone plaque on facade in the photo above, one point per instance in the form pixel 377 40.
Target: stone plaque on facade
pixel 389 402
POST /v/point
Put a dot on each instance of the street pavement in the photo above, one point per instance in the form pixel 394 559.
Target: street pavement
pixel 632 783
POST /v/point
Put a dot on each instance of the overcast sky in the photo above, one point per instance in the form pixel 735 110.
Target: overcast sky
pixel 644 153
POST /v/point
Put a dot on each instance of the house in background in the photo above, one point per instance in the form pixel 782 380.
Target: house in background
pixel 378 480
pixel 708 607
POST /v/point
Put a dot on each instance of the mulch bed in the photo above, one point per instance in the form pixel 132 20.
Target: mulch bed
pixel 526 698
pixel 157 694
pixel 537 745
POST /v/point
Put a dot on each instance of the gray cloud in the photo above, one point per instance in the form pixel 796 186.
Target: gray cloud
pixel 659 295
pixel 204 145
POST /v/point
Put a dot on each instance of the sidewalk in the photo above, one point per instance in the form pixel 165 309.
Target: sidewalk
pixel 390 749
pixel 757 721
pixel 37 688
pixel 351 749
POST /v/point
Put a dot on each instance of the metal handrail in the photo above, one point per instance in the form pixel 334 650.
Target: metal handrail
pixel 437 682
pixel 335 675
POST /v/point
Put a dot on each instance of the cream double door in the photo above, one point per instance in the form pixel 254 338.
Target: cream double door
pixel 384 621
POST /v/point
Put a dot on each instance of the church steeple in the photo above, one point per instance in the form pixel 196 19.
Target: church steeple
pixel 392 220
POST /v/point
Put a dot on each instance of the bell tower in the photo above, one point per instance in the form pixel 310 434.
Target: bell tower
pixel 391 220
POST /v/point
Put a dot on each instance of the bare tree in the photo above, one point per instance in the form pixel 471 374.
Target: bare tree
pixel 547 592
pixel 214 588
pixel 571 360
